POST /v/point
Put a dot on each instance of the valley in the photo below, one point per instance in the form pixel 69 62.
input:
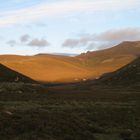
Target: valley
pixel 100 109
pixel 59 69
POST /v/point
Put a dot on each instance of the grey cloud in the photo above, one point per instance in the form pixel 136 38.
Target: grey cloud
pixel 24 38
pixel 38 43
pixel 128 34
pixel 11 43
pixel 83 41
pixel 87 39
pixel 104 39
pixel 70 43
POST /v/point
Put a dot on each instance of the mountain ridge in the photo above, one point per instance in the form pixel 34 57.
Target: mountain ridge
pixel 57 68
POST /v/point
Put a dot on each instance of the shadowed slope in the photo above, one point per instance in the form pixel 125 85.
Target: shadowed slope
pixel 8 75
pixel 129 74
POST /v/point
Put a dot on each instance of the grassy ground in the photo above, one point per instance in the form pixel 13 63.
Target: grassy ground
pixel 73 120
pixel 69 113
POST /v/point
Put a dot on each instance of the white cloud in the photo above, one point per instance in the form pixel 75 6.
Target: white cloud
pixel 62 8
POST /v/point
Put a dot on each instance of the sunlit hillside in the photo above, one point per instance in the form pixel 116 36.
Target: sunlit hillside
pixel 56 68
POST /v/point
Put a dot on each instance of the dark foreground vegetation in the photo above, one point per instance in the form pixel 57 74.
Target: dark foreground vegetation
pixel 72 112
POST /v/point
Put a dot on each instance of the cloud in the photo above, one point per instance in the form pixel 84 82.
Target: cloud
pixel 130 34
pixel 24 38
pixel 91 46
pixel 104 40
pixel 11 43
pixel 38 43
pixel 83 41
pixel 71 43
pixel 60 8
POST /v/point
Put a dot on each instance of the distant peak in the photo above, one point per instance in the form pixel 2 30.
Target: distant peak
pixel 58 54
pixel 130 42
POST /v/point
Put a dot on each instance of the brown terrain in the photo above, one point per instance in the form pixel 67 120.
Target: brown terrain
pixel 103 108
pixel 8 75
pixel 90 65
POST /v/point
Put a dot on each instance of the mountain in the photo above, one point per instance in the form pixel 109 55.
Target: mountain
pixel 61 54
pixel 123 49
pixel 57 68
pixel 111 59
pixel 127 75
pixel 9 75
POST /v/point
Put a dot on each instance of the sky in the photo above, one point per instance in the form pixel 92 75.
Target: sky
pixel 29 27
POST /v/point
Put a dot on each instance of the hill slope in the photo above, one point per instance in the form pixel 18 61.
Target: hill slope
pixel 129 74
pixel 8 75
pixel 56 68
pixel 111 59
pixel 47 68
pixel 123 49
